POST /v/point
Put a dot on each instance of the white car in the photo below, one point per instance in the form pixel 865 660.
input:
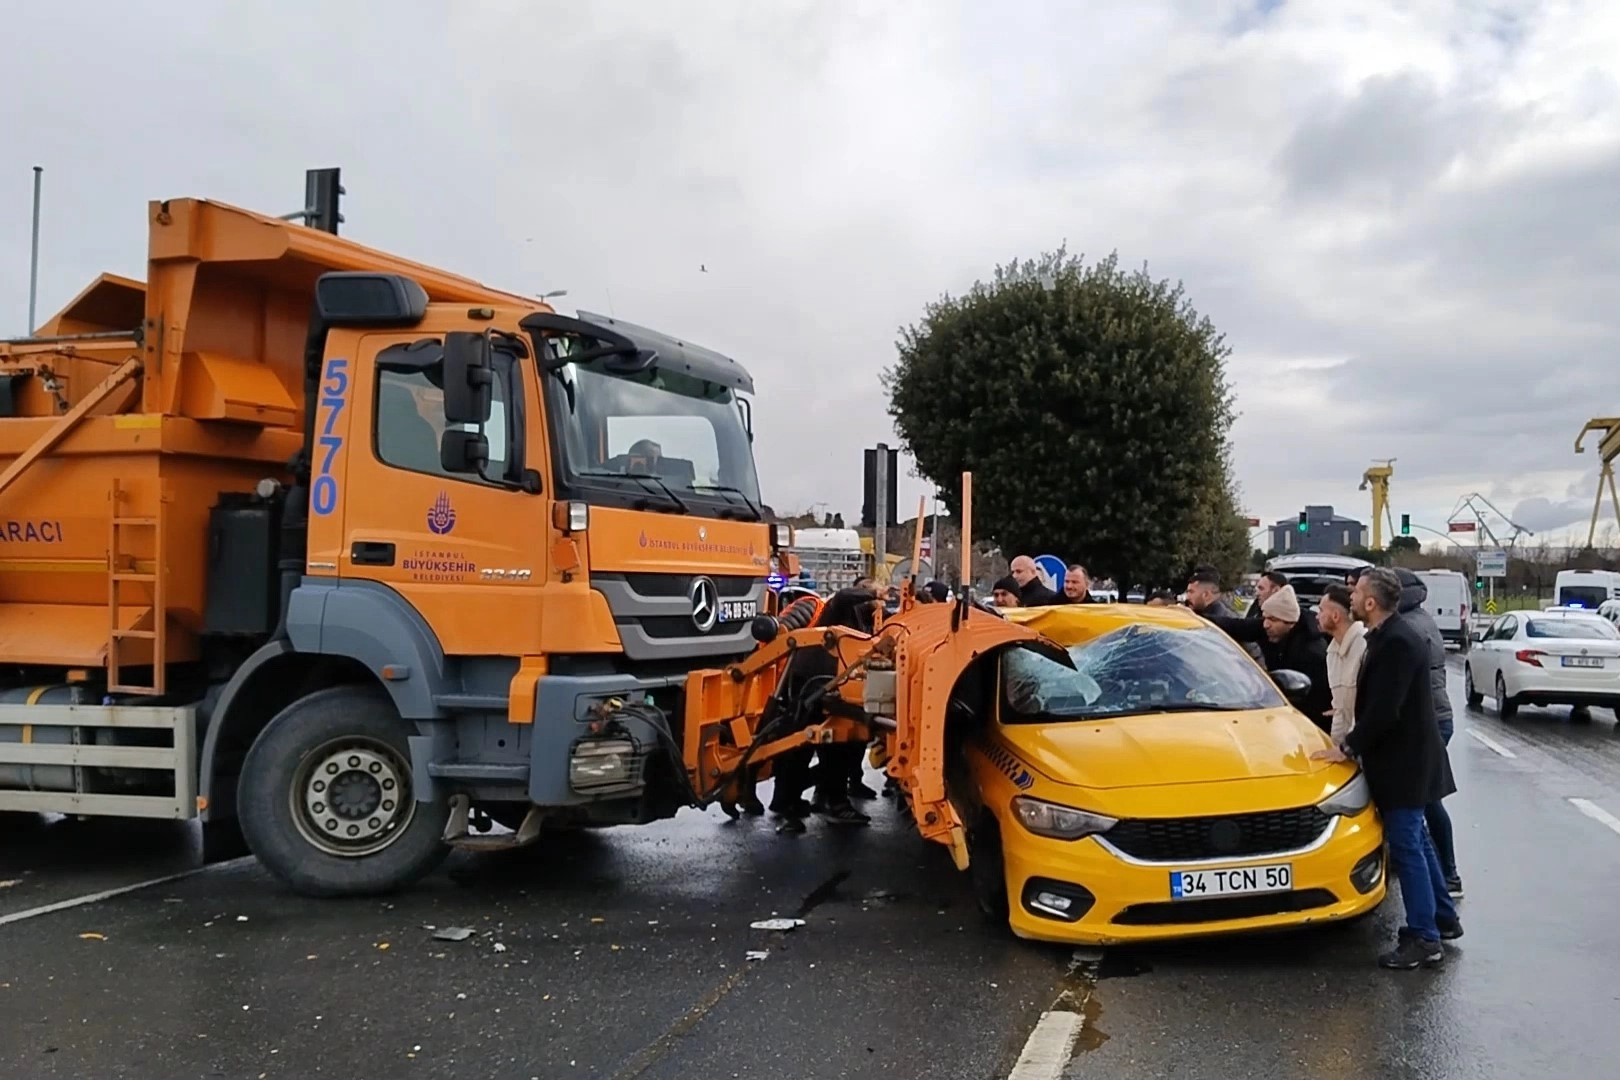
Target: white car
pixel 1545 658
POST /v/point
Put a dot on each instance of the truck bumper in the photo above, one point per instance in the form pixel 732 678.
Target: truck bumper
pixel 557 758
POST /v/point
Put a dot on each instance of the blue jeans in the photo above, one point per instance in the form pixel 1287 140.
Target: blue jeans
pixel 1423 886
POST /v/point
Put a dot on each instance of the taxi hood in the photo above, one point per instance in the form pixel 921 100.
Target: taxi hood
pixel 1155 749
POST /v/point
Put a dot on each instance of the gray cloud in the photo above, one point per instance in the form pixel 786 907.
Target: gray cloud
pixel 1407 258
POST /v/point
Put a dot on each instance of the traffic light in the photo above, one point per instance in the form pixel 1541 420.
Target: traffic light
pixel 1304 522
pixel 1479 583
pixel 1406 524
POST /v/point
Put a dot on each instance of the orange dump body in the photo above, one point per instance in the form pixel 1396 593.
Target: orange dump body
pixel 132 409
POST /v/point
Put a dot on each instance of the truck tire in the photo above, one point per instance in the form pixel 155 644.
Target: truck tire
pixel 327 802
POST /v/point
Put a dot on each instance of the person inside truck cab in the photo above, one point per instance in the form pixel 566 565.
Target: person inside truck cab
pixel 405 437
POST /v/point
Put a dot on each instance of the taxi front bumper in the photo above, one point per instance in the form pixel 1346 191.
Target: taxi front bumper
pixel 1085 892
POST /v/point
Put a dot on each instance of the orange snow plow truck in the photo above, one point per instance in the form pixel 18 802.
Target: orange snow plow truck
pixel 354 559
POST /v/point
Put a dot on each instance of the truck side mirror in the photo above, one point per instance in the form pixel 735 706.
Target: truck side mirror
pixel 463 451
pixel 468 378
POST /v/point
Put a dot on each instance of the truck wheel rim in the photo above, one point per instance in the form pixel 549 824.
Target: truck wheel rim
pixel 352 797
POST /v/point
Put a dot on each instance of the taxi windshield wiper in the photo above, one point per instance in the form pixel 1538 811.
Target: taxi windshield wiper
pixel 736 491
pixel 644 477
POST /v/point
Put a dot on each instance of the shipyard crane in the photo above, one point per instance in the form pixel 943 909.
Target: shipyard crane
pixel 1377 478
pixel 1608 429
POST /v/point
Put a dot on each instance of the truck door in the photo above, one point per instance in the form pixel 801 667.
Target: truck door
pixel 468 551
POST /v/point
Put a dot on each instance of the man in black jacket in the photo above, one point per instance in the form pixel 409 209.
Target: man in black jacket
pixel 1032 591
pixel 1289 640
pixel 1397 741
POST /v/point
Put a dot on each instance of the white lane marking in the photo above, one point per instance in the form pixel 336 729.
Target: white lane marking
pixel 1491 743
pixel 1596 813
pixel 1046 1055
pixel 108 894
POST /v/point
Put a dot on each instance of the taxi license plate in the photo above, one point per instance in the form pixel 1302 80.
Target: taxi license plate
pixel 1238 881
pixel 738 610
pixel 1583 661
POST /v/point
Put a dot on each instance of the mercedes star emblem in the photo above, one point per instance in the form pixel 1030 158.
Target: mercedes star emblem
pixel 705 604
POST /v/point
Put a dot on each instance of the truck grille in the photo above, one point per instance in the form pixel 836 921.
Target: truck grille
pixel 1174 840
pixel 730 587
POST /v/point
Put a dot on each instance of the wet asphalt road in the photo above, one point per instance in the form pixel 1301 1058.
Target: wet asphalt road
pixel 624 955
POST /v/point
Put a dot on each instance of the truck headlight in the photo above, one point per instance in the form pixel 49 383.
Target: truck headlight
pixel 603 765
pixel 784 536
pixel 1349 800
pixel 1059 822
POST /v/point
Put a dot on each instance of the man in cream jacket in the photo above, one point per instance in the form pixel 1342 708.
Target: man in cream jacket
pixel 1346 646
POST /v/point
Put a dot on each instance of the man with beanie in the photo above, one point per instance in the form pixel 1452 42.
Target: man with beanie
pixel 1288 643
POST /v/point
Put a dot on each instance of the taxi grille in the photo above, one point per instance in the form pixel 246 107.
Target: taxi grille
pixel 1223 908
pixel 1236 836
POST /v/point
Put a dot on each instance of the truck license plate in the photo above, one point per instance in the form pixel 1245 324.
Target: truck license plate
pixel 738 610
pixel 1200 884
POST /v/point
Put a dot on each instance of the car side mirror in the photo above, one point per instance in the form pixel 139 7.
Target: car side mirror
pixel 468 378
pixel 463 451
pixel 1295 685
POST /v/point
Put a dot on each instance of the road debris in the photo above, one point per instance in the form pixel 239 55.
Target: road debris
pixel 453 933
pixel 780 925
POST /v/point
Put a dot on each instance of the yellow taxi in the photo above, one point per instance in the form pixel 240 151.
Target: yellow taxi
pixel 1136 776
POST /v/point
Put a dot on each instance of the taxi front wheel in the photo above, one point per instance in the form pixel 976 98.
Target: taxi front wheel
pixel 988 868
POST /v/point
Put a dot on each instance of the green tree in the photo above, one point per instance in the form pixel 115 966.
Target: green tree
pixel 1092 407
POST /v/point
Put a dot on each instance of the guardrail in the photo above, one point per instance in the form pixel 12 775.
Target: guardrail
pixel 51 737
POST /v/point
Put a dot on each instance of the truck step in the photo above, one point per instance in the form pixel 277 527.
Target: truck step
pixel 458 834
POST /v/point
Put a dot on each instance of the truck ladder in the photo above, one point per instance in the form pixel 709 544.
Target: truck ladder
pixel 123 569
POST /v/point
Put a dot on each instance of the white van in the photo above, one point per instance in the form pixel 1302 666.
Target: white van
pixel 1450 603
pixel 1585 588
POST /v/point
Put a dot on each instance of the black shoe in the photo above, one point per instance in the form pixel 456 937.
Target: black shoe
pixel 843 814
pixel 790 825
pixel 859 790
pixel 750 805
pixel 1454 887
pixel 1413 953
pixel 790 808
pixel 1449 931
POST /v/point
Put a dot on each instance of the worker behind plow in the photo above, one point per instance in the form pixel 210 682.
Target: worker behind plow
pixel 808 670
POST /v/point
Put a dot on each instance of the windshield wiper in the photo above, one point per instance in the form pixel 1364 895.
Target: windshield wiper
pixel 644 477
pixel 734 490
pixel 1149 710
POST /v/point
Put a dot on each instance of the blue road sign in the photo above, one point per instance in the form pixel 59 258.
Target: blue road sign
pixel 1052 571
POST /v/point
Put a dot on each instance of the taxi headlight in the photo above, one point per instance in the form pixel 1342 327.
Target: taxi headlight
pixel 1059 822
pixel 1349 800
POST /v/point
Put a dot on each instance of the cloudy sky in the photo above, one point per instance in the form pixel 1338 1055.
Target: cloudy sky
pixel 1404 215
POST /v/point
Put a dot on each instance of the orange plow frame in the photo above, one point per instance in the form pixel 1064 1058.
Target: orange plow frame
pixel 927 646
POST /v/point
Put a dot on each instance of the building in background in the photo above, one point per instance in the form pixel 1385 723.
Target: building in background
pixel 1326 533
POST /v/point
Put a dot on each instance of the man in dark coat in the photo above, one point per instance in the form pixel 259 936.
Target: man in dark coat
pixel 1397 742
pixel 1032 591
pixel 1205 597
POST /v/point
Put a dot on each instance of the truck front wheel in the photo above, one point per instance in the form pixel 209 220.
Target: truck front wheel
pixel 327 802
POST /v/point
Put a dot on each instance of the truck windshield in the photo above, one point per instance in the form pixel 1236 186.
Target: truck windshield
pixel 661 436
